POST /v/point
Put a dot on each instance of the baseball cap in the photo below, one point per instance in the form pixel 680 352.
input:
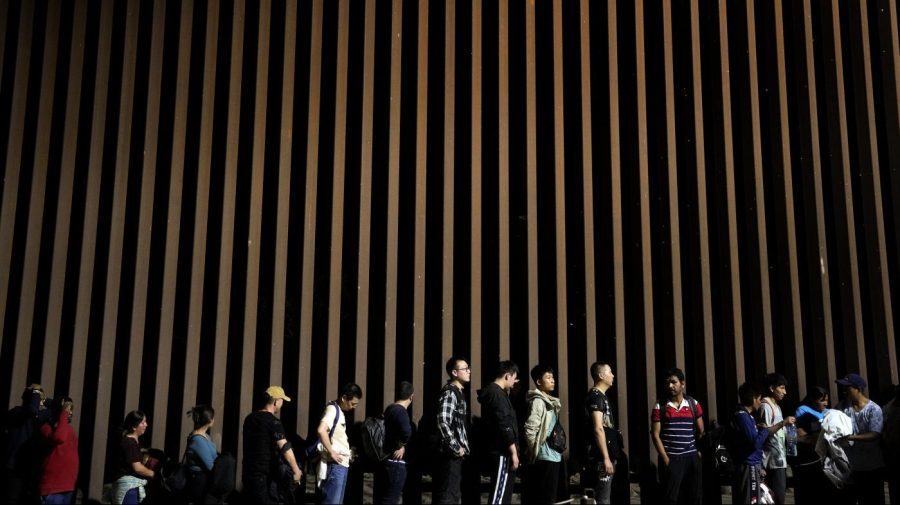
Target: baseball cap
pixel 852 379
pixel 277 393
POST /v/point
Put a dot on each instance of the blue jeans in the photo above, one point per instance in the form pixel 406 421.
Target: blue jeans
pixel 389 482
pixel 132 497
pixel 58 498
pixel 335 484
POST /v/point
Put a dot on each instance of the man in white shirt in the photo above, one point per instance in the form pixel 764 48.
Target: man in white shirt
pixel 336 447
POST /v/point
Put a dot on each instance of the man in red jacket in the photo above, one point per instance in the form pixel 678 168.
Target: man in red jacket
pixel 60 470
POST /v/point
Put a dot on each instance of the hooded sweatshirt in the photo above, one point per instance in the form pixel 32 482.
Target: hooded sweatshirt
pixel 499 418
pixel 542 414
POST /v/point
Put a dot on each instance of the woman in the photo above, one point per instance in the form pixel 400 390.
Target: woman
pixel 810 483
pixel 60 469
pixel 201 453
pixel 132 473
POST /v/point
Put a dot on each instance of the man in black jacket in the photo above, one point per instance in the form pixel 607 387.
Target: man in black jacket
pixel 502 431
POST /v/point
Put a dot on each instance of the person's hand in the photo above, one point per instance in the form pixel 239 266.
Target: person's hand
pixel 665 460
pixel 608 467
pixel 298 476
pixel 515 461
pixel 790 420
pixel 398 454
pixel 461 452
pixel 337 458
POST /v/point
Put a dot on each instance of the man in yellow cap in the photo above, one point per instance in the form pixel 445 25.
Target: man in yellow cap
pixel 268 454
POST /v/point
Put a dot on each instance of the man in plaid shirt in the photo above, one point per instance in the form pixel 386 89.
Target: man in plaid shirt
pixel 451 421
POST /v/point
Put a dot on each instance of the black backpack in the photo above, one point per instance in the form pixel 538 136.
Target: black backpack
pixel 223 475
pixel 373 438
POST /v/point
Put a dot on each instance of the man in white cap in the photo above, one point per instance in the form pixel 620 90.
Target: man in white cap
pixel 268 454
pixel 866 458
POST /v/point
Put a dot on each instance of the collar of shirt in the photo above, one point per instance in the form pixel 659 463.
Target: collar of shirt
pixel 684 404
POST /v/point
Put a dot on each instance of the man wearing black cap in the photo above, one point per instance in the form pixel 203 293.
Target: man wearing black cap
pixel 866 459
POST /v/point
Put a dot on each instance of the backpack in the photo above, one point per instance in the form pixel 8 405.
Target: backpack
pixel 223 475
pixel 310 450
pixel 177 477
pixel 373 438
pixel 717 440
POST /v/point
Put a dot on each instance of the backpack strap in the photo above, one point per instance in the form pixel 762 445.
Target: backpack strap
pixel 693 404
pixel 337 415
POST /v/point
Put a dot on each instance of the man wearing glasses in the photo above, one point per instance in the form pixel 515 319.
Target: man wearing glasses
pixel 451 421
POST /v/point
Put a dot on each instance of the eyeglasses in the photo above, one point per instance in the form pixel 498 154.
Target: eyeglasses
pixel 466 369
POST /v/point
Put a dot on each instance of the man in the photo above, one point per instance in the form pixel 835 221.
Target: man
pixel 745 441
pixel 541 451
pixel 774 453
pixel 336 452
pixel 502 431
pixel 397 432
pixel 453 430
pixel 20 456
pixel 865 455
pixel 675 430
pixel 603 445
pixel 266 450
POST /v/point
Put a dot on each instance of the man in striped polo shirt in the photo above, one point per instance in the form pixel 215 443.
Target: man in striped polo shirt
pixel 676 426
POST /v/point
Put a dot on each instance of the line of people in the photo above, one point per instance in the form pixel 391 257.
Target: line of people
pixel 846 452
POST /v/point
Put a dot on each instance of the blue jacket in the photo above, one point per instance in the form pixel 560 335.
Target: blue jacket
pixel 746 441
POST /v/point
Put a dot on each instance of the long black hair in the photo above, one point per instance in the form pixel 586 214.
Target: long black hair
pixel 132 420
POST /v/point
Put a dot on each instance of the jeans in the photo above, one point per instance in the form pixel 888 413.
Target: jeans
pixel 132 497
pixel 389 482
pixel 335 484
pixel 58 498
pixel 597 478
pixel 447 480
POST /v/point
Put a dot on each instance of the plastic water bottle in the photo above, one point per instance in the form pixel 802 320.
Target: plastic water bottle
pixel 790 440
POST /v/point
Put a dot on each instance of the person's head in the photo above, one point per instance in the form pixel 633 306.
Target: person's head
pixel 749 396
pixel 507 374
pixel 135 423
pixel 30 391
pixel 673 382
pixel 405 391
pixel 62 404
pixel 776 386
pixel 816 398
pixel 602 373
pixel 275 398
pixel 458 370
pixel 351 394
pixel 852 386
pixel 543 378
pixel 203 416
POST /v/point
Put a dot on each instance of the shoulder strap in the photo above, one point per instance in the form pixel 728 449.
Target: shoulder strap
pixel 187 448
pixel 337 415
